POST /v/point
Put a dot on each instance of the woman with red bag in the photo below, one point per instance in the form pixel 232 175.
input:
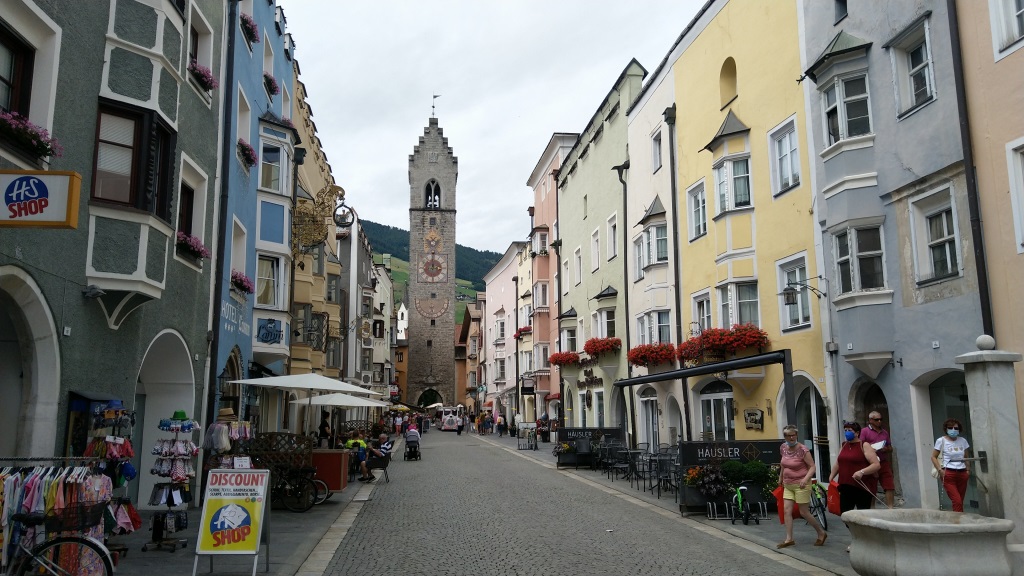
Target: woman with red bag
pixel 855 467
pixel 795 475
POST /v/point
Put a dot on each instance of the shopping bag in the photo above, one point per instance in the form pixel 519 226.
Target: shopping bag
pixel 780 502
pixel 833 498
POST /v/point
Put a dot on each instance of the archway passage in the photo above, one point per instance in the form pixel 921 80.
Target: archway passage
pixel 947 398
pixel 428 397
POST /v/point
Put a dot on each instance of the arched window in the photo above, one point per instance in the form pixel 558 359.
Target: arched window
pixel 432 195
pixel 727 81
pixel 717 418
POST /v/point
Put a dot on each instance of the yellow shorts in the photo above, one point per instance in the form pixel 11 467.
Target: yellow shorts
pixel 797 494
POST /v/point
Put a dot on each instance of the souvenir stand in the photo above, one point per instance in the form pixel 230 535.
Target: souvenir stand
pixel 225 440
pixel 112 448
pixel 174 461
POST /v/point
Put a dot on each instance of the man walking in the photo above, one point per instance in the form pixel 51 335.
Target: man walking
pixel 873 434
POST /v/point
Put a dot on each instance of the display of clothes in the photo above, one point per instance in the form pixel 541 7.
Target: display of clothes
pixel 57 492
pixel 225 439
pixel 174 461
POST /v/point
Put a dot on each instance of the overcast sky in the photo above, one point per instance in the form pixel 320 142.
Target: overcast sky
pixel 510 74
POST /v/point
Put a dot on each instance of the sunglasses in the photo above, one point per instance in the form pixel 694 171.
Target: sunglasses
pixel 955 428
pixel 875 419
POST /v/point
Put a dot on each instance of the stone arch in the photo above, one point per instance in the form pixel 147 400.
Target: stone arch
pixel 676 421
pixel 727 81
pixel 429 396
pixel 165 384
pixel 432 195
pixel 29 410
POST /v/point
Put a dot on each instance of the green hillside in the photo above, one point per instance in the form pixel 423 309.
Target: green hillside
pixel 470 263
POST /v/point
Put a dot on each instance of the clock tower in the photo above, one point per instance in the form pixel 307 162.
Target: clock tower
pixel 433 171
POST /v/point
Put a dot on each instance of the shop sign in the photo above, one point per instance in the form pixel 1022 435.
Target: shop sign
pixel 40 198
pixel 233 507
pixel 701 453
pixel 268 331
pixel 570 434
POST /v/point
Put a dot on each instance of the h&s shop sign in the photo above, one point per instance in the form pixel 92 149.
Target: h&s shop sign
pixel 39 198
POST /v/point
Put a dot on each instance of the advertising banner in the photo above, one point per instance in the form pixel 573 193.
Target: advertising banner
pixel 40 198
pixel 701 453
pixel 233 509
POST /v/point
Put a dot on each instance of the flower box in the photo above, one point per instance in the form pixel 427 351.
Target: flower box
pixel 249 28
pixel 32 140
pixel 203 76
pixel 271 84
pixel 564 359
pixel 191 247
pixel 241 282
pixel 598 346
pixel 247 153
pixel 651 354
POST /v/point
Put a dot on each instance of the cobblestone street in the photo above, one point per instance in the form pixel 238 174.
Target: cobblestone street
pixel 474 506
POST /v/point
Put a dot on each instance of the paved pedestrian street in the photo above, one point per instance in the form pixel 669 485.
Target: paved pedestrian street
pixel 476 506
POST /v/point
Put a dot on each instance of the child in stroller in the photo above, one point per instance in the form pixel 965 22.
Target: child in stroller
pixel 412 444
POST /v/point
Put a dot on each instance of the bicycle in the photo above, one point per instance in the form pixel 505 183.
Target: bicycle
pixel 819 504
pixel 293 488
pixel 741 505
pixel 62 555
pixel 323 493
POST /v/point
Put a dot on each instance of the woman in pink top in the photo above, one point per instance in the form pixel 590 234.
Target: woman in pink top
pixel 796 474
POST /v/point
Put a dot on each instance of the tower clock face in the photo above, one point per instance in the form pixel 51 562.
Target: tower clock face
pixel 432 242
pixel 434 268
pixel 432 307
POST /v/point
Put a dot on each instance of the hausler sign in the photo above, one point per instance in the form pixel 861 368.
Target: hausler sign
pixel 40 198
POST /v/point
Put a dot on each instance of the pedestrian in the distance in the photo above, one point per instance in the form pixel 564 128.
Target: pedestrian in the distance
pixel 461 424
pixel 795 476
pixel 398 424
pixel 948 459
pixel 879 438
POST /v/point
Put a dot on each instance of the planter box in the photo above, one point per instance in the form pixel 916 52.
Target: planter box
pixel 692 498
pixel 567 459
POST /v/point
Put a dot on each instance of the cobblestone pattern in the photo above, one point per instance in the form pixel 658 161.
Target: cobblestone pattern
pixel 470 507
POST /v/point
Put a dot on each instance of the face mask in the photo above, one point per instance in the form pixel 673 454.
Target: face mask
pixel 850 435
pixel 952 432
pixel 791 444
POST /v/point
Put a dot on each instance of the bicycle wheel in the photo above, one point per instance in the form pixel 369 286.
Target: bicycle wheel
pixel 299 494
pixel 67 556
pixel 818 508
pixel 323 493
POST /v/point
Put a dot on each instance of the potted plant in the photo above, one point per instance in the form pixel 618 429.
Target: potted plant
pixel 247 153
pixel 271 84
pixel 241 283
pixel 565 454
pixel 522 332
pixel 597 346
pixel 191 246
pixel 27 137
pixel 651 354
pixel 710 345
pixel 692 496
pixel 202 75
pixel 743 336
pixel 564 359
pixel 249 28
pixel 712 483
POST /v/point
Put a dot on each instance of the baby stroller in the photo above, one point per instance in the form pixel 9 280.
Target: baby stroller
pixel 412 445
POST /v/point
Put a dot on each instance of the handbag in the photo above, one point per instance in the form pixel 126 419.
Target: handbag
pixel 935 471
pixel 780 502
pixel 832 498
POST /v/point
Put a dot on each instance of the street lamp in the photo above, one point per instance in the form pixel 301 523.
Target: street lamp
pixel 790 294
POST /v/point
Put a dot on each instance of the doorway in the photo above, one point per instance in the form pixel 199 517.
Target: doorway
pixel 812 426
pixel 947 396
pixel 717 417
pixel 649 411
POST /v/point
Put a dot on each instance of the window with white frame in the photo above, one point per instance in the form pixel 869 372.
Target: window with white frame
pixel 525 315
pixel 472 380
pixel 658 237
pixel 540 295
pixel 732 184
pixel 540 242
pixel 698 211
pixel 656 152
pixel 643 330
pixel 912 68
pixel 577 261
pixel 569 339
pixel 579 331
pixel 268 281
pixel 1015 166
pixel 794 274
pixel 540 352
pixel 702 310
pixel 499 369
pixel 192 199
pixel 565 274
pixel 738 304
pixel 595 250
pixel 639 258
pixel 499 329
pixel 859 259
pixel 604 323
pixel 1007 19
pixel 271 167
pixel 526 361
pixel 200 43
pixel 244 120
pixel 785 158
pixel 474 345
pixel 613 235
pixel 847 108
pixel 653 327
pixel 936 250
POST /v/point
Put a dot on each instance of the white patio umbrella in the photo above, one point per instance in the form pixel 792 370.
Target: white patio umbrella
pixel 308 382
pixel 341 399
pixel 435 405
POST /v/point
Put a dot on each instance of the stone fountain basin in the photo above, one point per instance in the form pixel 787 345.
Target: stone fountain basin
pixel 915 541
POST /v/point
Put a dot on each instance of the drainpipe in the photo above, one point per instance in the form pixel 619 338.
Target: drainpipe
pixel 625 296
pixel 227 155
pixel 556 245
pixel 973 205
pixel 670 119
pixel 515 307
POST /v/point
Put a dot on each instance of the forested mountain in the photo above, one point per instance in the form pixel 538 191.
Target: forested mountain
pixel 470 264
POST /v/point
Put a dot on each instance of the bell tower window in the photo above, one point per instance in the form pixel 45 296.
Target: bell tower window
pixel 432 195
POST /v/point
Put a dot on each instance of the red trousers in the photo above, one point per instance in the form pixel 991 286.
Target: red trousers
pixel 955 483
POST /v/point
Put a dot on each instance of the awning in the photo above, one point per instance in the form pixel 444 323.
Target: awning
pixel 340 399
pixel 555 396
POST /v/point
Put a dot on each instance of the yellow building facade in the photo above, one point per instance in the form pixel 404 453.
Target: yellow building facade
pixel 746 219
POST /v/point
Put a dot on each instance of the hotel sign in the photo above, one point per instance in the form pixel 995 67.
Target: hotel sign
pixel 40 198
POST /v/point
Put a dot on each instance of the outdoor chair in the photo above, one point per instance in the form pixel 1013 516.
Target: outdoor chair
pixel 583 453
pixel 378 463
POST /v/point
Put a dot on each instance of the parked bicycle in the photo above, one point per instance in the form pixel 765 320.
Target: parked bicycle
pixel 819 504
pixel 293 488
pixel 61 555
pixel 323 493
pixel 741 501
